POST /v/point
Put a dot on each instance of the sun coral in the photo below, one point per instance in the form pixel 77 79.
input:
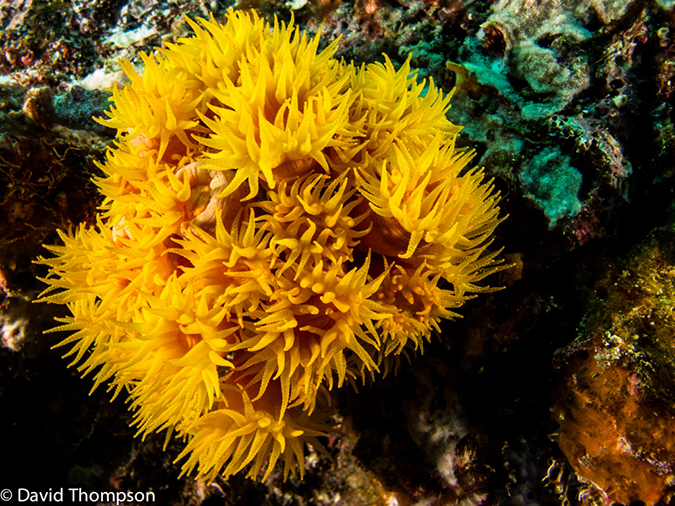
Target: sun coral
pixel 276 223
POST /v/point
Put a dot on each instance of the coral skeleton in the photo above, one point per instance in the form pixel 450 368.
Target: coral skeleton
pixel 276 223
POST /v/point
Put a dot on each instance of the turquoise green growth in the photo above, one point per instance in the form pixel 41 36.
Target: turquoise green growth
pixel 553 184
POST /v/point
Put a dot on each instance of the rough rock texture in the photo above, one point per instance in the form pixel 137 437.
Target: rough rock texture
pixel 615 399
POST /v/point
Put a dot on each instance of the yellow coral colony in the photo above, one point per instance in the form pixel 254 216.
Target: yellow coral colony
pixel 276 222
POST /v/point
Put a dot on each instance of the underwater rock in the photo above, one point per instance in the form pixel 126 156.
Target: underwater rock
pixel 553 183
pixel 615 392
pixel 43 154
pixel 539 42
pixel 39 107
pixel 518 97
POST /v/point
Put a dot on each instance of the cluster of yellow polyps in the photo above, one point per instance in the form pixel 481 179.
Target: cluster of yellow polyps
pixel 275 222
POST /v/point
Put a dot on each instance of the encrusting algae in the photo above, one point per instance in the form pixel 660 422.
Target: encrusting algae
pixel 276 222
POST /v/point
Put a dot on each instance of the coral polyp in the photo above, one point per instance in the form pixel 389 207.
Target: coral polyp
pixel 276 223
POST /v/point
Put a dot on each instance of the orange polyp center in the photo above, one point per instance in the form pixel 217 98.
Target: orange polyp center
pixel 188 341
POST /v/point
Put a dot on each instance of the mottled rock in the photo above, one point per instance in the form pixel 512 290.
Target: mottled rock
pixel 615 396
